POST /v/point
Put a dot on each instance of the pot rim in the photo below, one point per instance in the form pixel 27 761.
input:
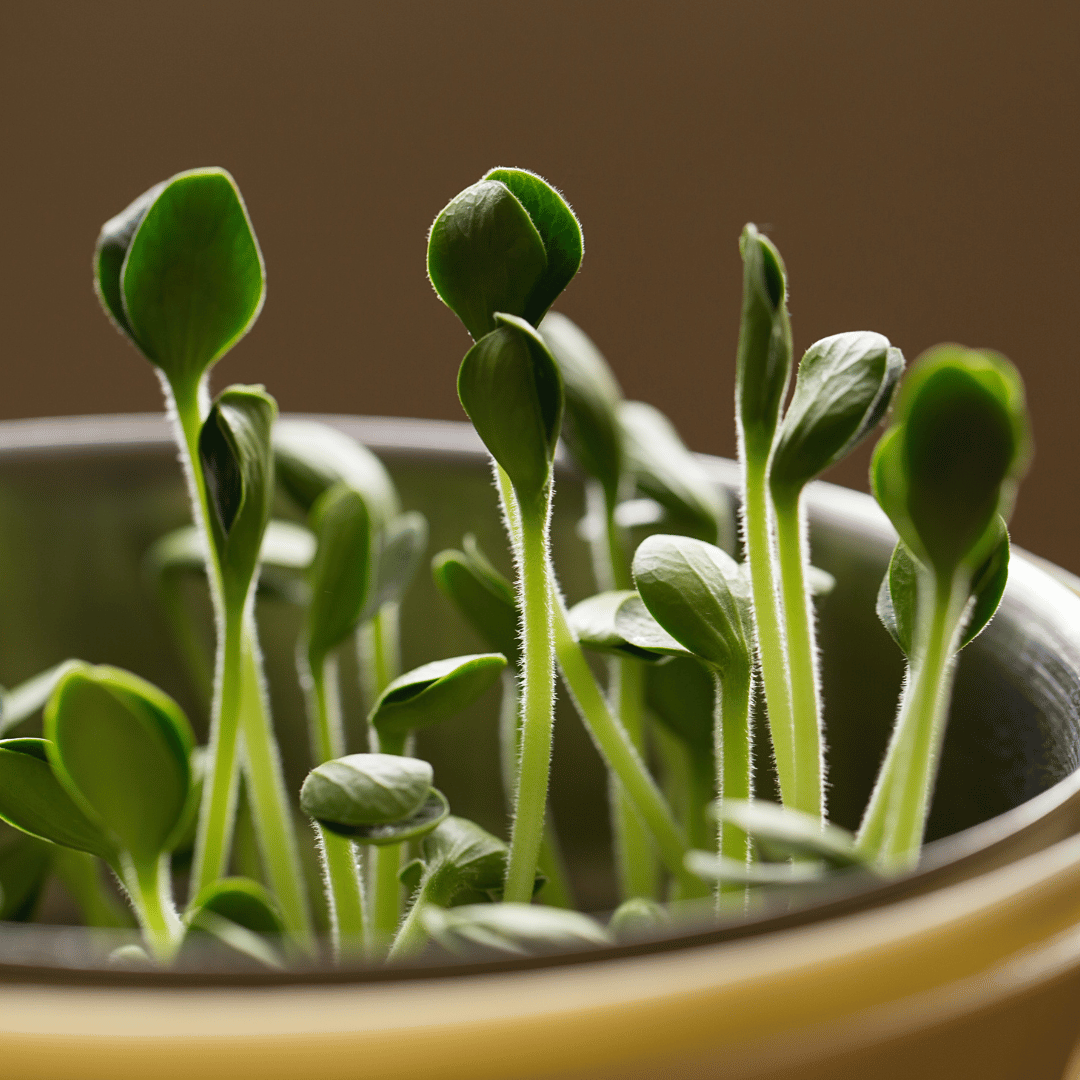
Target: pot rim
pixel 1034 584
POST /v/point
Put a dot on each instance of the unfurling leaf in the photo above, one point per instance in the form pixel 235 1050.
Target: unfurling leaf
pixel 591 427
pixel 509 385
pixel 434 692
pixel 897 601
pixel 952 460
pixel 843 389
pixel 481 594
pixel 311 457
pixel 667 472
pixel 237 462
pixel 508 243
pixel 696 592
pixel 340 574
pixel 120 747
pixel 180 272
pixel 763 360
pixel 460 857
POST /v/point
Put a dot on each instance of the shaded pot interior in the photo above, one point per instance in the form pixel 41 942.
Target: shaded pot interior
pixel 82 500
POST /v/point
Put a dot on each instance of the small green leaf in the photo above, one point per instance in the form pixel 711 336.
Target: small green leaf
pixel 667 472
pixel 953 459
pixel 25 862
pixel 236 459
pixel 462 857
pixel 181 273
pixel 844 387
pixel 512 930
pixel 485 255
pixel 418 824
pixel 340 574
pixel 33 800
pixel 509 385
pixel 27 698
pixel 593 621
pixel 682 695
pixel 366 789
pixel 120 747
pixel 639 919
pixel 635 624
pixel 242 901
pixel 897 601
pixel 311 457
pixel 481 594
pixel 434 692
pixel 696 592
pixel 710 867
pixel 781 833
pixel 404 541
pixel 591 426
pixel 559 231
pixel 763 360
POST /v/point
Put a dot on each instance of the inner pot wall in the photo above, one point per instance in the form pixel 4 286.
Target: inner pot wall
pixel 81 500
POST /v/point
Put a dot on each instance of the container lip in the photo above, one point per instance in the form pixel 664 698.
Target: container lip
pixel 1034 585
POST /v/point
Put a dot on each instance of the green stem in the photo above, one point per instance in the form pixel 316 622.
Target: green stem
pixel 616 748
pixel 733 739
pixel 150 887
pixel 770 642
pixel 319 675
pixel 895 818
pixel 386 906
pixel 378 655
pixel 411 935
pixel 218 812
pixel 275 827
pixel 802 655
pixel 344 893
pixel 537 702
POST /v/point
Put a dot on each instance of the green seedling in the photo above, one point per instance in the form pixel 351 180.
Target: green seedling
pixel 180 274
pixel 844 386
pixel 509 929
pixel 946 473
pixel 696 592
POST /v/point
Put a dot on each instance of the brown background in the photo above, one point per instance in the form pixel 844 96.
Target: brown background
pixel 916 163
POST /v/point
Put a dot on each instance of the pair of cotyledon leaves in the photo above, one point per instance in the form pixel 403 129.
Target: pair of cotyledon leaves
pixel 112 776
pixel 180 273
pixel 947 469
pixel 499 254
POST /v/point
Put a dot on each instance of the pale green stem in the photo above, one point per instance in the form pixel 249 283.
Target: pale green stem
pixel 801 654
pixel 537 701
pixel 895 819
pixel 344 894
pixel 386 902
pixel 275 828
pixel 318 675
pixel 733 738
pixel 378 655
pixel 770 642
pixel 149 886
pixel 411 936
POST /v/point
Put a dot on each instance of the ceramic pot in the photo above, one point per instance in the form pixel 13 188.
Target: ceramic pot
pixel 969 966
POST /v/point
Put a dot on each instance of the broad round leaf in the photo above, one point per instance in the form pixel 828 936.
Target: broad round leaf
pixel 763 360
pixel 667 472
pixel 897 601
pixel 844 386
pixel 509 385
pixel 121 749
pixel 312 457
pixel 418 824
pixel 192 280
pixel 593 621
pixel 237 462
pixel 682 695
pixel 481 594
pixel 695 592
pixel 402 546
pixel 591 426
pixel 954 457
pixel 340 574
pixel 34 801
pixel 512 930
pixel 559 231
pixel 366 789
pixel 434 692
pixel 485 255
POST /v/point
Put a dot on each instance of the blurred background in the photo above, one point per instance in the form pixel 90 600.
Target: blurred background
pixel 916 163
